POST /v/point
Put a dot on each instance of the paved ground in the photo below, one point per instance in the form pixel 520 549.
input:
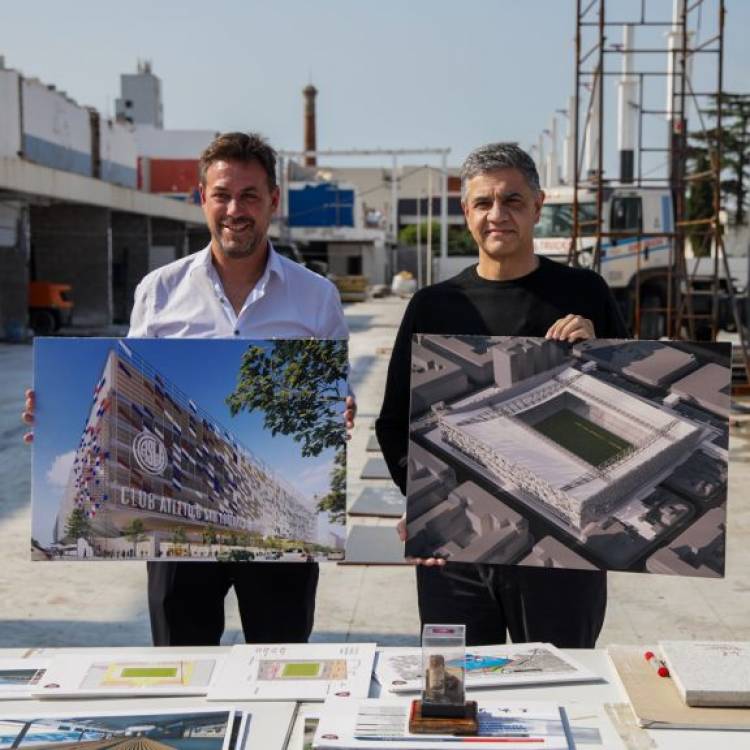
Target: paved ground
pixel 104 603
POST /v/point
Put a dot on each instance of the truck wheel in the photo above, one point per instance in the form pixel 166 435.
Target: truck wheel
pixel 43 322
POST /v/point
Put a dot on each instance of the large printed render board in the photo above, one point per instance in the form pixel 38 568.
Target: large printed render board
pixel 202 449
pixel 217 729
pixel 608 455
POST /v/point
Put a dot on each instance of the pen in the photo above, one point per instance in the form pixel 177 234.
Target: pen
pixel 657 664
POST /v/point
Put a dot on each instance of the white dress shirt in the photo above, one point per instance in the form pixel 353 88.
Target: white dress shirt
pixel 186 298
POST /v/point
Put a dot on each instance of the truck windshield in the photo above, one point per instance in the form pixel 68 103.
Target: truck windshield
pixel 557 220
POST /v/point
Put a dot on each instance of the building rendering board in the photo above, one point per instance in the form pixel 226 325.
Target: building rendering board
pixel 189 448
pixel 487 666
pixel 300 672
pixel 605 454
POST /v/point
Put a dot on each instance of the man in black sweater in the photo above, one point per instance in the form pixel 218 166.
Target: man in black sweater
pixel 510 292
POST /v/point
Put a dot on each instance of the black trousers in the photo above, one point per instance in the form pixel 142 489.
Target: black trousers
pixel 562 607
pixel 186 601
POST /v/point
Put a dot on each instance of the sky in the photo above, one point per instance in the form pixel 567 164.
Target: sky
pixel 427 73
pixel 66 372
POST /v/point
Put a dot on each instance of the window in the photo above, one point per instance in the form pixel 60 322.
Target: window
pixel 556 220
pixel 626 214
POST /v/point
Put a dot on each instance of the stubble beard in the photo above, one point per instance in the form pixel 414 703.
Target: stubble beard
pixel 255 242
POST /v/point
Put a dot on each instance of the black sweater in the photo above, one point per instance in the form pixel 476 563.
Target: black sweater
pixel 468 304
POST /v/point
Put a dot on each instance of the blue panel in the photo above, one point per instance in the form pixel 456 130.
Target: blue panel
pixel 119 174
pixel 666 213
pixel 321 205
pixel 53 155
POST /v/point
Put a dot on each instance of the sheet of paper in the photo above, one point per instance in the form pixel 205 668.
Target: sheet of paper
pixel 376 724
pixel 20 677
pixel 299 672
pixel 146 674
pixel 487 666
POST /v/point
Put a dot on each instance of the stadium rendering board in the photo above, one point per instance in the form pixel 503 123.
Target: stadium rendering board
pixel 601 455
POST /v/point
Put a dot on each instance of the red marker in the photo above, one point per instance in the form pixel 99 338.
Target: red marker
pixel 657 664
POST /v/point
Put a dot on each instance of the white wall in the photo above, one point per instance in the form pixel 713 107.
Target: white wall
pixel 171 144
pixel 10 123
pixel 56 130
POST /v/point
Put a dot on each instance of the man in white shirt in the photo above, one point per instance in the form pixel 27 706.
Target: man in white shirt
pixel 238 286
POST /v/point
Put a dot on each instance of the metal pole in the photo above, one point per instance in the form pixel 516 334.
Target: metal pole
pixel 419 239
pixel 573 249
pixel 444 206
pixel 394 200
pixel 429 226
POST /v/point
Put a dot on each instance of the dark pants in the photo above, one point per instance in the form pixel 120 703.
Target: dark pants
pixel 562 607
pixel 186 601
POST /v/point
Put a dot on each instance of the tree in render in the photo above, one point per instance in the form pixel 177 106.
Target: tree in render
pixel 299 385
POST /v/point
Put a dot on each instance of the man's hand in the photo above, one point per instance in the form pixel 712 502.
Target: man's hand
pixel 27 416
pixel 571 328
pixel 350 411
pixel 402 535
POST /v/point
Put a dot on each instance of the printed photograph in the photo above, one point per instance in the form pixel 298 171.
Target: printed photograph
pixel 201 449
pixel 608 455
pixel 175 731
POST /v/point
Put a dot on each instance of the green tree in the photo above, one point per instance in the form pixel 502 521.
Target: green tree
pixel 735 146
pixel 460 241
pixel 299 386
pixel 78 525
pixel 180 537
pixel 134 531
pixel 210 535
pixel 700 203
pixel 334 502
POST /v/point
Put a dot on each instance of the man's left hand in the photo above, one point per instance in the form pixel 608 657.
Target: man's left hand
pixel 349 413
pixel 571 328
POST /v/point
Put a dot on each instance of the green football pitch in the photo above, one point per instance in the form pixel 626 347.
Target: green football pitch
pixel 588 441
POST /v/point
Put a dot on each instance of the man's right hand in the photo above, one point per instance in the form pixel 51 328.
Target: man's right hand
pixel 27 416
pixel 403 535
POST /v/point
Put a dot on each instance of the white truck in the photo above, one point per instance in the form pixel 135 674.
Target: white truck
pixel 640 259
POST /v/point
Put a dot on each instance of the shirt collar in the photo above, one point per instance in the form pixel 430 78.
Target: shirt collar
pixel 273 265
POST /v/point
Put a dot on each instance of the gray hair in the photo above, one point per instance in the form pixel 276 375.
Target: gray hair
pixel 494 156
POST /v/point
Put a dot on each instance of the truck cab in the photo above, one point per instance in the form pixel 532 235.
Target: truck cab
pixel 636 267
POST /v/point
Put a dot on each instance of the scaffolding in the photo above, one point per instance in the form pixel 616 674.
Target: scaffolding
pixel 690 308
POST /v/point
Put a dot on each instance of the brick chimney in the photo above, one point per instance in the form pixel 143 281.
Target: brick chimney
pixel 310 92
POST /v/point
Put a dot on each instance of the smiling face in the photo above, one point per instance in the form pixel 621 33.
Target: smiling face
pixel 501 210
pixel 238 204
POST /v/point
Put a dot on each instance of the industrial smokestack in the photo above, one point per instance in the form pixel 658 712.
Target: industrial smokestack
pixel 569 151
pixel 627 92
pixel 310 92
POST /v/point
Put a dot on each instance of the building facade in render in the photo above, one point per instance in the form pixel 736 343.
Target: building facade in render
pixel 149 452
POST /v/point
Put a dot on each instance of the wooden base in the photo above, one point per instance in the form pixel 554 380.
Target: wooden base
pixel 464 724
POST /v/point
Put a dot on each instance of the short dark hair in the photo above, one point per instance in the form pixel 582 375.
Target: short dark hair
pixel 494 156
pixel 241 147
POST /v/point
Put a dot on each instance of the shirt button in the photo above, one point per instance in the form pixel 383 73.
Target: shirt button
pixel 236 333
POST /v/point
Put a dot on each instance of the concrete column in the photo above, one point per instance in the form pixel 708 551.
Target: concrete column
pixel 131 240
pixel 14 272
pixel 71 244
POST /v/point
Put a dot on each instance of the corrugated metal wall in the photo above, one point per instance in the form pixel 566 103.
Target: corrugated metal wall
pixel 321 205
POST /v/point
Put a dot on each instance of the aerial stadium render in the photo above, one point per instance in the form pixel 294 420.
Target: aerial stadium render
pixel 149 452
pixel 590 444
